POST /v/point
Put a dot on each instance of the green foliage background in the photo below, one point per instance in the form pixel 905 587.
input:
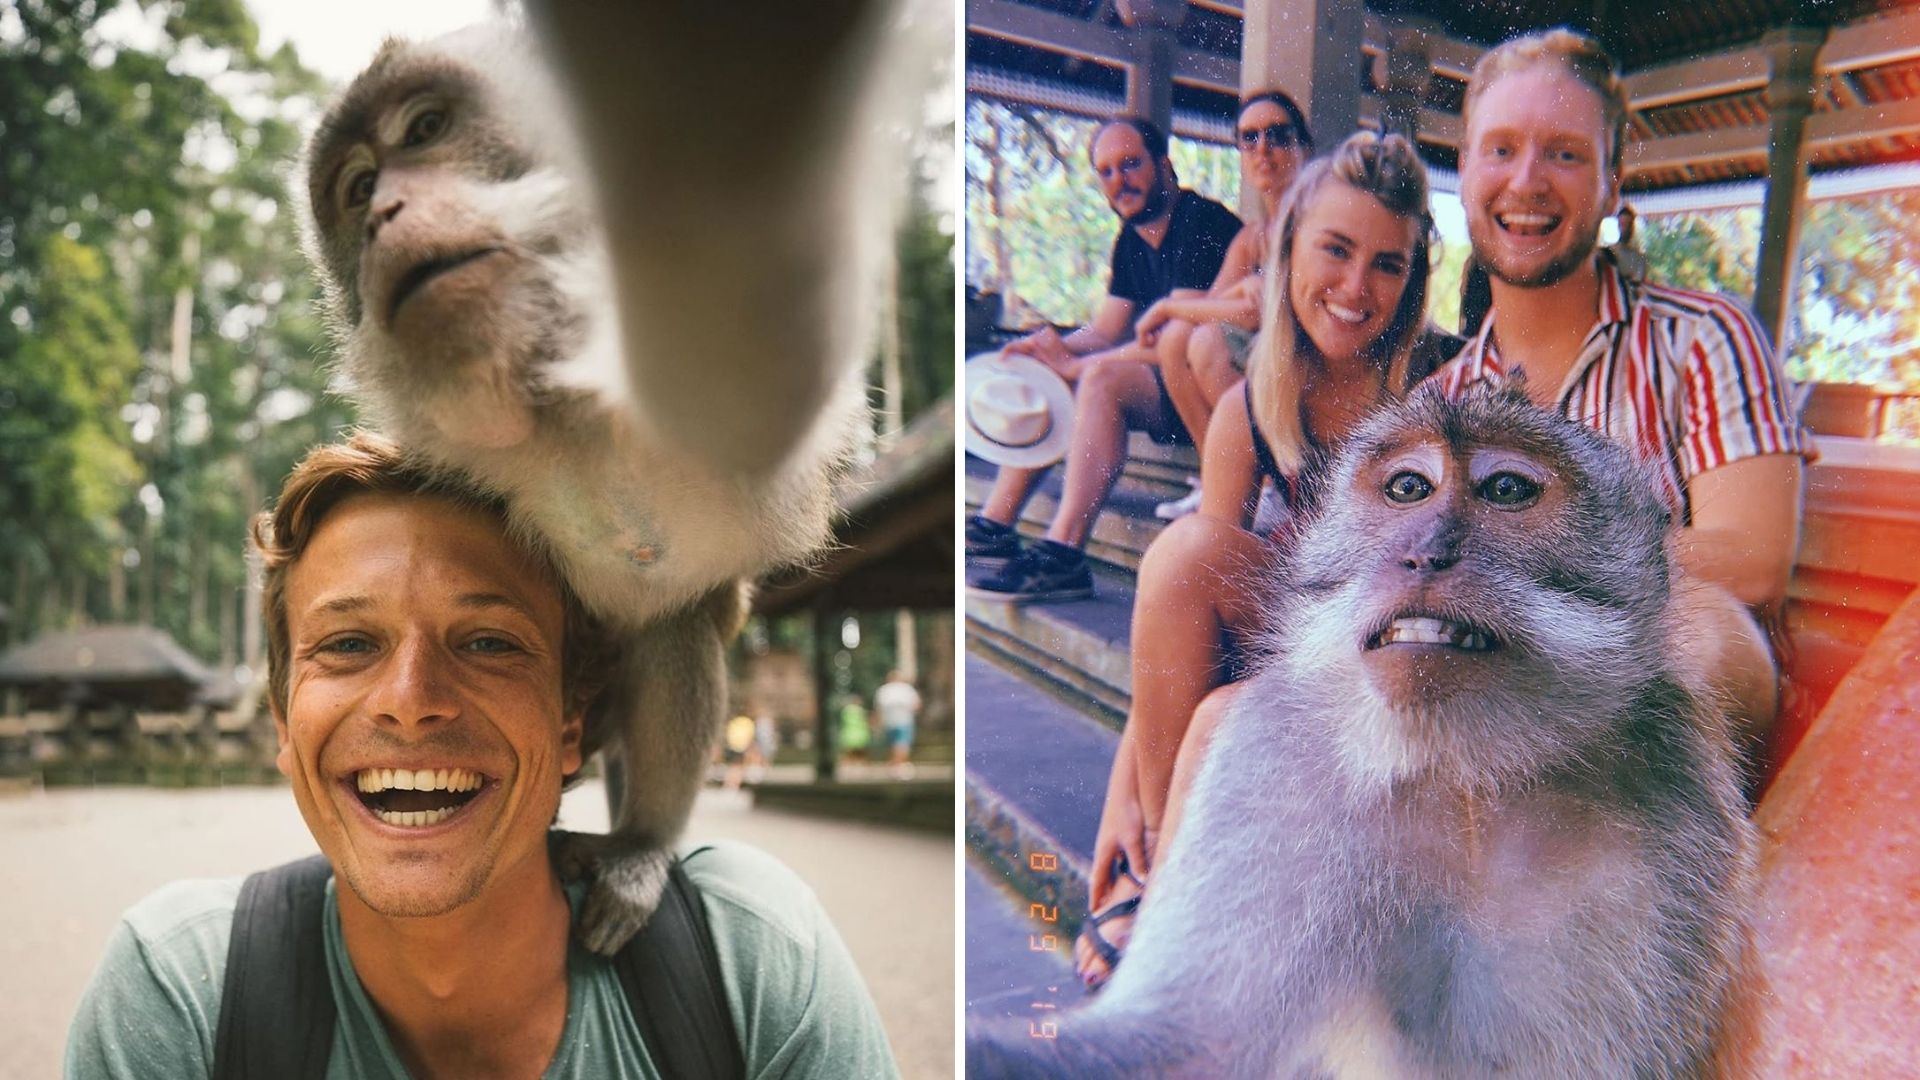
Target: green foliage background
pixel 131 187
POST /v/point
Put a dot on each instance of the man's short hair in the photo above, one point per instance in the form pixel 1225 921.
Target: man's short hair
pixel 367 464
pixel 1578 55
pixel 1150 134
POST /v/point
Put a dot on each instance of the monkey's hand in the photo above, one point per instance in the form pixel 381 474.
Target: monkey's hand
pixel 628 874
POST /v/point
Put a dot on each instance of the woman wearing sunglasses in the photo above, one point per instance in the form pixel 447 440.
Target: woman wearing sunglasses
pixel 1344 331
pixel 1202 341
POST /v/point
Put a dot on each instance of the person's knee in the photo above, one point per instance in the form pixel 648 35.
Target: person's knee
pixel 1173 344
pixel 1732 651
pixel 1185 556
pixel 1208 350
pixel 1206 719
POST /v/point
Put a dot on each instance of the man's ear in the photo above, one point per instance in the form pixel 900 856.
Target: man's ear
pixel 283 758
pixel 573 731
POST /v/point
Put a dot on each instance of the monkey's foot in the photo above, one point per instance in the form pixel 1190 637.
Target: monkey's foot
pixel 628 875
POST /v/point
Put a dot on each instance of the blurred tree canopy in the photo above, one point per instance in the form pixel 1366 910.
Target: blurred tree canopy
pixel 1856 314
pixel 157 352
pixel 161 362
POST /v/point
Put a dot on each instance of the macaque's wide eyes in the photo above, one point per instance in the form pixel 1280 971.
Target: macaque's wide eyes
pixel 360 188
pixel 1408 487
pixel 1509 490
pixel 425 128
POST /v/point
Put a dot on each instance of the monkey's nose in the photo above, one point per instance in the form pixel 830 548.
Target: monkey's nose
pixel 383 213
pixel 1436 549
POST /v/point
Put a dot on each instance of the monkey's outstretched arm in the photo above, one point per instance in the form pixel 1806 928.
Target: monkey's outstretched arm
pixel 729 145
pixel 666 708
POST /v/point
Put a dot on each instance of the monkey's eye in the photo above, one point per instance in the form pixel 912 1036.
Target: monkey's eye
pixel 425 128
pixel 1408 487
pixel 360 188
pixel 1508 489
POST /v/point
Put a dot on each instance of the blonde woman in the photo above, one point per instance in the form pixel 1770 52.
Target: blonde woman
pixel 1344 330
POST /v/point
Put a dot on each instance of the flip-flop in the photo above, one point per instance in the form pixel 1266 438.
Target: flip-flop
pixel 1107 951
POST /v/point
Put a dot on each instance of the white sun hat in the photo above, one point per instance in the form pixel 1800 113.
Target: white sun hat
pixel 1019 411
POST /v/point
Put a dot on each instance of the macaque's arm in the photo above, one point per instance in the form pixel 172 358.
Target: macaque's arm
pixel 731 153
pixel 1746 526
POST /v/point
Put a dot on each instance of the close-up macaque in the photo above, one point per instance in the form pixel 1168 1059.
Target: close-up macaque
pixel 630 295
pixel 1474 815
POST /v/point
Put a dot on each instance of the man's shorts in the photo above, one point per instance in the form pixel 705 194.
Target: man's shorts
pixel 1169 429
pixel 899 736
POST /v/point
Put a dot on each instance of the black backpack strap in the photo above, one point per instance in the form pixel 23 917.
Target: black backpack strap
pixel 276 1006
pixel 671 973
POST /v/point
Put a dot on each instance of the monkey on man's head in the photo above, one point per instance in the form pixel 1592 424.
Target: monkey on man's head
pixel 646 336
pixel 1468 819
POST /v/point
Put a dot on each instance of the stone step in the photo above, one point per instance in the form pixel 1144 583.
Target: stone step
pixel 1018 965
pixel 1080 647
pixel 1121 531
pixel 1035 780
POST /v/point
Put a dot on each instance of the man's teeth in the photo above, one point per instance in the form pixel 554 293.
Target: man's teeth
pixel 1531 224
pixel 1426 631
pixel 373 781
pixel 1346 314
pixel 415 818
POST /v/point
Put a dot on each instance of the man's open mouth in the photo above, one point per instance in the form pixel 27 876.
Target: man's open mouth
pixel 417 797
pixel 415 279
pixel 1428 630
pixel 1528 223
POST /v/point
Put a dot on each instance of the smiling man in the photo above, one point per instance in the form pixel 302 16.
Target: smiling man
pixel 1686 378
pixel 431 682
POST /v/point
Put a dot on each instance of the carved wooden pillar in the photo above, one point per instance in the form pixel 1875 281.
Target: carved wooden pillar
pixel 1402 74
pixel 1794 52
pixel 1310 49
pixel 1156 26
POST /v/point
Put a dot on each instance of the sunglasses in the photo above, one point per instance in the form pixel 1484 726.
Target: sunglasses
pixel 1278 136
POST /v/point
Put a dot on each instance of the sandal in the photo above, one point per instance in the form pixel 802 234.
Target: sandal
pixel 1107 951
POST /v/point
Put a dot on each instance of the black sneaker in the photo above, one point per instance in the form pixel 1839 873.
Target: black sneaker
pixel 1045 572
pixel 990 545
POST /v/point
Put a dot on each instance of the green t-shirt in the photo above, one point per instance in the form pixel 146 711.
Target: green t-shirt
pixel 797 1002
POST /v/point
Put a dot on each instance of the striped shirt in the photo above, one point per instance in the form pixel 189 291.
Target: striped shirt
pixel 1686 378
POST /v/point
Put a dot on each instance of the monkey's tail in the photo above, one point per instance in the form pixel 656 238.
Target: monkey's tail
pixel 1085 1044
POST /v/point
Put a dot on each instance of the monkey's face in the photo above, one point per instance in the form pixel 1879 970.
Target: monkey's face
pixel 1481 572
pixel 435 226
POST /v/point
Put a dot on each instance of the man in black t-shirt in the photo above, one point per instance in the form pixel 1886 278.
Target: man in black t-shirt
pixel 1172 242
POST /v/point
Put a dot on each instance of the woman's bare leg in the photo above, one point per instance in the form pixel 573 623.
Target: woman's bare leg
pixel 1210 358
pixel 1193 751
pixel 1192 601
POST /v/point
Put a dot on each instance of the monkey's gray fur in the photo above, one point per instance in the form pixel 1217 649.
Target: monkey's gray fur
pixel 1539 869
pixel 664 405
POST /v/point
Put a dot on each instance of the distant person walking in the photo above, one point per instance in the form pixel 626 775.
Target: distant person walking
pixel 899 704
pixel 739 740
pixel 855 734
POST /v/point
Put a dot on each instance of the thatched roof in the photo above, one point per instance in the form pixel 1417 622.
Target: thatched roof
pixel 137 665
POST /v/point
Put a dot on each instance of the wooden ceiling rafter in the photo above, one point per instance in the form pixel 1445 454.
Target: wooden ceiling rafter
pixel 1697 118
